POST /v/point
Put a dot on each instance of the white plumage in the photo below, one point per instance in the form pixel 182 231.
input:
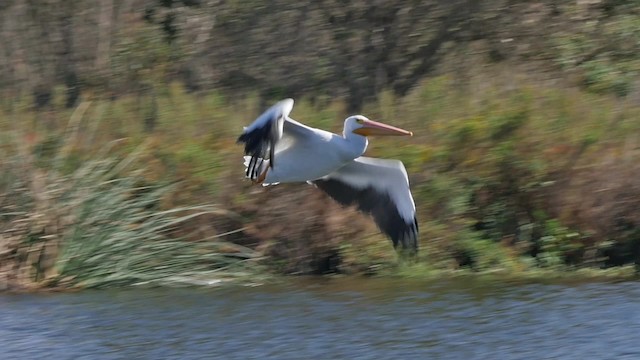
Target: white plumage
pixel 280 150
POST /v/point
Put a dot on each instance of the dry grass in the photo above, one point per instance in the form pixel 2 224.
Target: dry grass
pixel 98 224
pixel 492 172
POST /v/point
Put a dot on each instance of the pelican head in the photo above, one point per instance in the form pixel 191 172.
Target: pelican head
pixel 360 125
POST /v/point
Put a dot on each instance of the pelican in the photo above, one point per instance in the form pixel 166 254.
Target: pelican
pixel 279 149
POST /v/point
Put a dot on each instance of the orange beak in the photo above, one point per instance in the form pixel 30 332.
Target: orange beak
pixel 370 127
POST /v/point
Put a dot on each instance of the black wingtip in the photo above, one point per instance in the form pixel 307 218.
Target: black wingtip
pixel 403 233
pixel 406 242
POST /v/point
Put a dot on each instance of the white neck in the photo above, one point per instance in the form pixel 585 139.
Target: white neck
pixel 355 144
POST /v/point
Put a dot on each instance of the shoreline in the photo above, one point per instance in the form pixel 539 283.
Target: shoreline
pixel 403 274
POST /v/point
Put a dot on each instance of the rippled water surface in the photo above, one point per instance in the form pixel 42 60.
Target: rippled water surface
pixel 336 319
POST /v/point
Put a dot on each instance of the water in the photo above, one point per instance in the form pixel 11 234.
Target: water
pixel 336 319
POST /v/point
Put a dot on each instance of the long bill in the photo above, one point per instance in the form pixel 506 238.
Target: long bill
pixel 370 127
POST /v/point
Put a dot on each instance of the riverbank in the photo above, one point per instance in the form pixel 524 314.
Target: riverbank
pixel 525 157
pixel 497 182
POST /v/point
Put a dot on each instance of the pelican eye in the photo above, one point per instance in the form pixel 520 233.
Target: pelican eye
pixel 359 121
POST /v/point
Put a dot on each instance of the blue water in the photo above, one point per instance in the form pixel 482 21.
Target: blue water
pixel 337 319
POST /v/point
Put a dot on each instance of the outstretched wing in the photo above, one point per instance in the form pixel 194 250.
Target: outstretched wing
pixel 271 132
pixel 261 136
pixel 381 188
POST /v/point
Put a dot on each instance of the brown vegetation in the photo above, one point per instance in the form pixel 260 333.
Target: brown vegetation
pixel 525 113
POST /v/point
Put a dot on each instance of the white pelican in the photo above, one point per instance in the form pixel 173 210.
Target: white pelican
pixel 280 150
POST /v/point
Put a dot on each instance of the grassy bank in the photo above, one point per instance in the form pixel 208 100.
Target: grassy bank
pixel 76 215
pixel 510 174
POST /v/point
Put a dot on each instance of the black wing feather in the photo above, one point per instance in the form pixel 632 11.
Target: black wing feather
pixel 260 144
pixel 380 207
pixel 260 141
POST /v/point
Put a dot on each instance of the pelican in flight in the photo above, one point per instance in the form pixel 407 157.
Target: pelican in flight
pixel 279 149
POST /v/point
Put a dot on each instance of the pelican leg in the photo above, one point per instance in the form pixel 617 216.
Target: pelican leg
pixel 262 176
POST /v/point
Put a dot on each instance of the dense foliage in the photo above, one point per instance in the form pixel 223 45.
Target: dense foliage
pixel 525 157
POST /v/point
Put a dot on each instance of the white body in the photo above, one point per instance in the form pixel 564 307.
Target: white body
pixel 310 155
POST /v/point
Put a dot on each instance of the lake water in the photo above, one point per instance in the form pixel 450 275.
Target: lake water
pixel 329 319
